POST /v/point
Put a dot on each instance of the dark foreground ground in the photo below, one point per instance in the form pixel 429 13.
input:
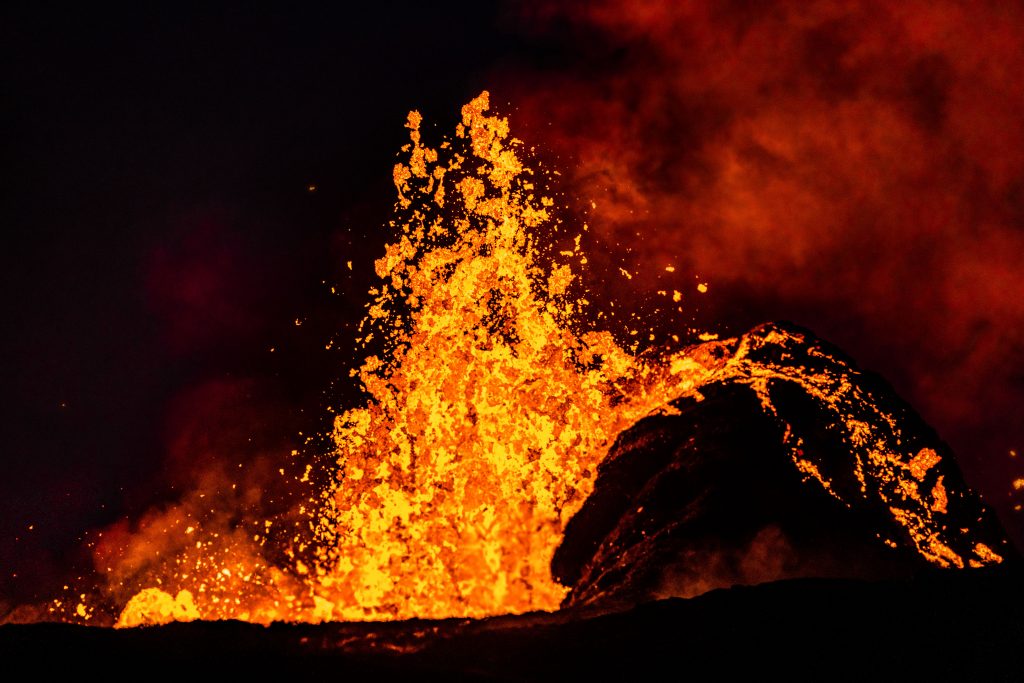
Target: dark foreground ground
pixel 957 625
pixel 678 505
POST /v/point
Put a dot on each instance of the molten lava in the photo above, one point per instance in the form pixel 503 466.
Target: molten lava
pixel 486 419
pixel 488 415
pixel 489 407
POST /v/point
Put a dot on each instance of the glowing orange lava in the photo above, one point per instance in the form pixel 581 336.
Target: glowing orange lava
pixel 490 406
pixel 489 415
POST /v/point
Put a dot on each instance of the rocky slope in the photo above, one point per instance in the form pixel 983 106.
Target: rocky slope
pixel 794 464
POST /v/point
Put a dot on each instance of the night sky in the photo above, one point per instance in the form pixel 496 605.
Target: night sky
pixel 182 187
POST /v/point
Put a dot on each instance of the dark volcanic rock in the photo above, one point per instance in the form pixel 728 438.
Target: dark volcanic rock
pixel 944 626
pixel 795 463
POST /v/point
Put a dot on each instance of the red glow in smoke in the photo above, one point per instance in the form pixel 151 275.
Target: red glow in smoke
pixel 855 166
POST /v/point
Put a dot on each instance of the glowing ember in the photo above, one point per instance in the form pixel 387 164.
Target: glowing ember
pixel 489 408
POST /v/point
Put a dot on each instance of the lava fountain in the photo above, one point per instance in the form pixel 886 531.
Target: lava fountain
pixel 489 412
pixel 489 408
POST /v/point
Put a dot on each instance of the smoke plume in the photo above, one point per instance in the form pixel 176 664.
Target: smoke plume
pixel 857 167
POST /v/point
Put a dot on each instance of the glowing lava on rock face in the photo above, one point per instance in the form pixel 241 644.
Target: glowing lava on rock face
pixel 490 404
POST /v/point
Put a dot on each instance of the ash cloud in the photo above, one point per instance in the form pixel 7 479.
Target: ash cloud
pixel 855 167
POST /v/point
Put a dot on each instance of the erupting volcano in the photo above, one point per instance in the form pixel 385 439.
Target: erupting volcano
pixel 511 457
pixel 492 400
pixel 690 344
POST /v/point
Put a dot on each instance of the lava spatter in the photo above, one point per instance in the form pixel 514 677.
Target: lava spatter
pixel 489 412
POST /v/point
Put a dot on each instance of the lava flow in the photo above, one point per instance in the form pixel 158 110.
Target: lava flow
pixel 490 405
